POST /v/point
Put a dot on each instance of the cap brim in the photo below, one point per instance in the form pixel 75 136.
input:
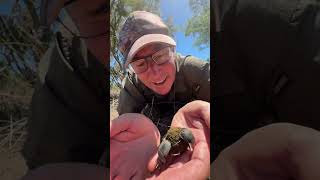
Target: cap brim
pixel 146 40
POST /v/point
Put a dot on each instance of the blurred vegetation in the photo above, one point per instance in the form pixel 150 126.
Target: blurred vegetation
pixel 20 51
pixel 198 25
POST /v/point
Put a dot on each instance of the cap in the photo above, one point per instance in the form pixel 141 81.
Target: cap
pixel 142 28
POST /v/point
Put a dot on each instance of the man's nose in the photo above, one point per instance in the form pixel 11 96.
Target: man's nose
pixel 154 68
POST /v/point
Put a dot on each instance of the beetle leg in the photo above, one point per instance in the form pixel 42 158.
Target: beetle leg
pixel 191 149
pixel 164 150
pixel 177 154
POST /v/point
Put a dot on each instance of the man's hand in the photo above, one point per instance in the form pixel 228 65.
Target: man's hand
pixel 133 141
pixel 195 116
pixel 279 151
pixel 196 164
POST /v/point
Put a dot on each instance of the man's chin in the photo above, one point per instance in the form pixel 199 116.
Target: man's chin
pixel 161 90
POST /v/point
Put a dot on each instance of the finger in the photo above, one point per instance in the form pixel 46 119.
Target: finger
pixel 181 160
pixel 199 108
pixel 199 165
pixel 120 124
pixel 126 173
pixel 201 152
pixel 125 136
pixel 114 171
pixel 197 168
pixel 194 114
pixel 138 176
pixel 153 162
pixel 200 135
pixel 128 122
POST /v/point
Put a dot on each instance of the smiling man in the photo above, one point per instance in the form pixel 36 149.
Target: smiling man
pixel 159 81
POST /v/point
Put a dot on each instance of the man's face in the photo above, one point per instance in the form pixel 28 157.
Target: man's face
pixel 91 18
pixel 159 78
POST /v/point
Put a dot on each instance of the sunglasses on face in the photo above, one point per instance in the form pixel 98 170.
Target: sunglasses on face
pixel 160 57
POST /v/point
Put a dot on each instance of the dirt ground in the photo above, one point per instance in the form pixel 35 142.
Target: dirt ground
pixel 12 165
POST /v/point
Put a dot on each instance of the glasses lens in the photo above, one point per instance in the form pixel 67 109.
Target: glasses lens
pixel 139 66
pixel 162 56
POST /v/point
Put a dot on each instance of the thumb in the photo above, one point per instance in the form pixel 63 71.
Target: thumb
pixel 123 123
pixel 153 162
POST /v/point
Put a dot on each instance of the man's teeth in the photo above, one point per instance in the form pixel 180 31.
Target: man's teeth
pixel 159 82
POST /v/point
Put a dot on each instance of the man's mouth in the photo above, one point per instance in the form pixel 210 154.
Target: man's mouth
pixel 160 82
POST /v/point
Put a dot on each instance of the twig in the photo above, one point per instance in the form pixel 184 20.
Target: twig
pixel 10 136
pixel 18 140
pixel 15 123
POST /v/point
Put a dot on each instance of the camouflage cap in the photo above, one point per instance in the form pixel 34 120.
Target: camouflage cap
pixel 140 29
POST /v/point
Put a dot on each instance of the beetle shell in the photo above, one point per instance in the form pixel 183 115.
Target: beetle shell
pixel 173 143
pixel 178 146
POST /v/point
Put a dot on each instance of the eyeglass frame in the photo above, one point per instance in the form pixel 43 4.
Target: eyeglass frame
pixel 172 49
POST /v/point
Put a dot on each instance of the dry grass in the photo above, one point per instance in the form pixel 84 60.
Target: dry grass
pixel 14 110
pixel 13 134
pixel 114 96
pixel 15 97
pixel 113 109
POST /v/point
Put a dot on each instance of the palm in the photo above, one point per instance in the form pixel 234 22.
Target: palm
pixel 133 143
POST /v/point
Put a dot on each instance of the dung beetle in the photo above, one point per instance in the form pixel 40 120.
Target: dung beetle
pixel 175 142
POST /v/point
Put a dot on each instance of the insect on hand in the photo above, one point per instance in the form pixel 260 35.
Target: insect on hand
pixel 175 142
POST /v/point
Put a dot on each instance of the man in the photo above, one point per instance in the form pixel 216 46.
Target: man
pixel 159 80
pixel 266 66
pixel 68 111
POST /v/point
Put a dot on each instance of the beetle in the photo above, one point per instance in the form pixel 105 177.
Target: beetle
pixel 175 142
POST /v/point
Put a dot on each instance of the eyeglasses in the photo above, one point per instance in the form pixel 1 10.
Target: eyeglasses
pixel 160 57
